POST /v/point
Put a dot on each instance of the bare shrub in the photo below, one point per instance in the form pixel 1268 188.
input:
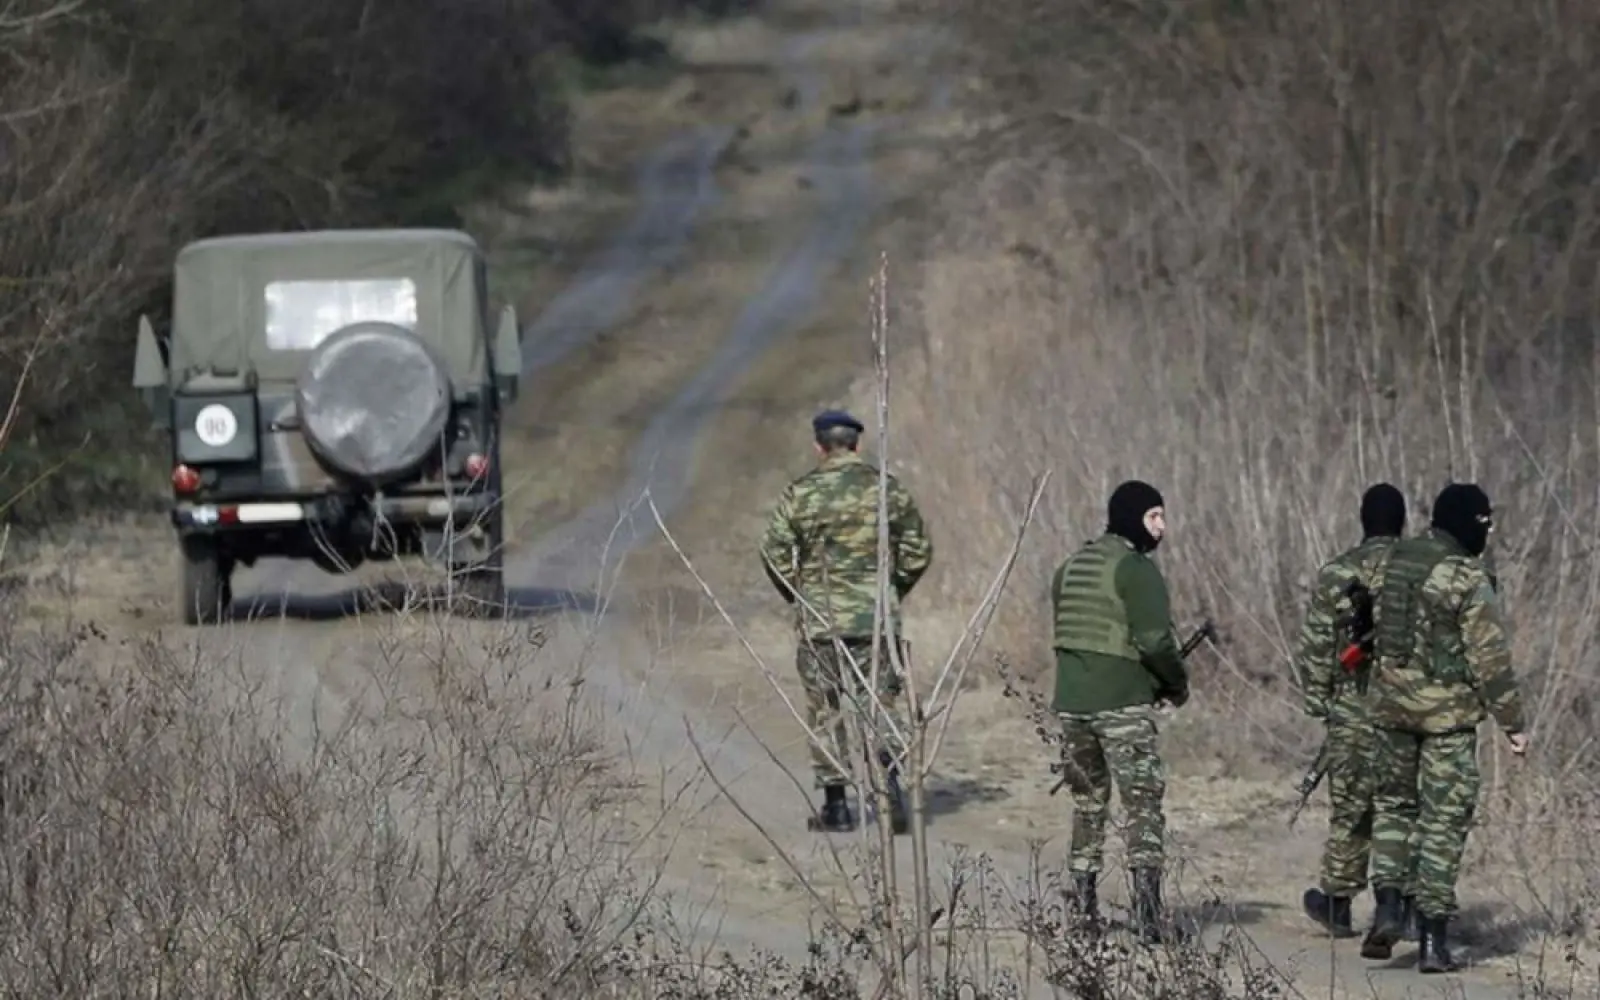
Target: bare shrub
pixel 1262 255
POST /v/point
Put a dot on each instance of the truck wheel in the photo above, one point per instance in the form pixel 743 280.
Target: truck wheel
pixel 206 592
pixel 486 589
pixel 485 585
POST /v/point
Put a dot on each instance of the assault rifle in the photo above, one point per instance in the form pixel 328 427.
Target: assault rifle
pixel 1207 630
pixel 1309 782
pixel 1357 629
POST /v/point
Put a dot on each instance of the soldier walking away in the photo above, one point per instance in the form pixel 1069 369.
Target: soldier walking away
pixel 1334 695
pixel 1443 666
pixel 820 551
pixel 1117 659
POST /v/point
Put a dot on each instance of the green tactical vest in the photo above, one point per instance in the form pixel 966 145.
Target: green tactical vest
pixel 1090 617
pixel 1405 632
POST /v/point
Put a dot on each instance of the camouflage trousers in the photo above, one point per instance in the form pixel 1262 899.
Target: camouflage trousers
pixel 1424 807
pixel 1353 750
pixel 835 699
pixel 1120 747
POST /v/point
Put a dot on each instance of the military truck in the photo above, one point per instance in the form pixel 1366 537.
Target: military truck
pixel 332 396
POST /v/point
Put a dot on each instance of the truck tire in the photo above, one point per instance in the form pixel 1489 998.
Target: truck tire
pixel 374 402
pixel 485 585
pixel 206 588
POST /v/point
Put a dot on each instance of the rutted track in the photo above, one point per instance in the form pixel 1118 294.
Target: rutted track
pixel 574 557
pixel 662 459
pixel 676 184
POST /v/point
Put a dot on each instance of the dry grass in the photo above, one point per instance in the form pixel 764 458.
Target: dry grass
pixel 1261 255
pixel 175 827
pixel 1251 335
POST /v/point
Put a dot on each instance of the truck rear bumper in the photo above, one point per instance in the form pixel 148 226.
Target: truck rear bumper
pixel 432 511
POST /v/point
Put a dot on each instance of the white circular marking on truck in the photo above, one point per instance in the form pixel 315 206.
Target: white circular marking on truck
pixel 216 425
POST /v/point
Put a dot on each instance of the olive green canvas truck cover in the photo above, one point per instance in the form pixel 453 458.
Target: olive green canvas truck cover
pixel 249 313
pixel 261 303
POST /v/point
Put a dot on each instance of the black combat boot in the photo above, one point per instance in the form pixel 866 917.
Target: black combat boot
pixel 1150 917
pixel 1388 924
pixel 1433 953
pixel 1083 904
pixel 898 821
pixel 1408 911
pixel 1332 912
pixel 835 816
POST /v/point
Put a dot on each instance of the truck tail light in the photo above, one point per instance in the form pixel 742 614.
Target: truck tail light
pixel 185 479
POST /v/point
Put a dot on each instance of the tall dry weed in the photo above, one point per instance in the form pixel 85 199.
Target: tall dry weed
pixel 1263 254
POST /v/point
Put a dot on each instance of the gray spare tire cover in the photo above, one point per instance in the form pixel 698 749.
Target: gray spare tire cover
pixel 374 401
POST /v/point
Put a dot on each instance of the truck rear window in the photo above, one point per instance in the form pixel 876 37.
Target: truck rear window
pixel 301 313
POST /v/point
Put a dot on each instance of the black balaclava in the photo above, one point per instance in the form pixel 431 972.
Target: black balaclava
pixel 1126 510
pixel 1383 512
pixel 1457 511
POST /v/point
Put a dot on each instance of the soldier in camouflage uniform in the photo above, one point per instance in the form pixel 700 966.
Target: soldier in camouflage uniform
pixel 820 550
pixel 1334 696
pixel 1443 666
pixel 1116 659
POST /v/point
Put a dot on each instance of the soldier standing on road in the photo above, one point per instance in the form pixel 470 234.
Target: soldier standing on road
pixel 1443 666
pixel 1337 699
pixel 821 552
pixel 1116 659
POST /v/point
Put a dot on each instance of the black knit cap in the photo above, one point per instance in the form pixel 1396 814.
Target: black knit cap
pixel 1126 510
pixel 1383 511
pixel 1462 511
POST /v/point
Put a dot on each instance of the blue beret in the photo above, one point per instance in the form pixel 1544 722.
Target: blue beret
pixel 835 418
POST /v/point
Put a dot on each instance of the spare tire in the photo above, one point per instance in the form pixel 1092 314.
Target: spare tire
pixel 374 402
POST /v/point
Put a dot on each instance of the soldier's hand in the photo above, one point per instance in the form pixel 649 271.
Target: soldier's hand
pixel 1519 743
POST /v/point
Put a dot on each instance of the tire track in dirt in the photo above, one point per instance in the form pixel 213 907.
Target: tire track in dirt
pixel 663 459
pixel 675 185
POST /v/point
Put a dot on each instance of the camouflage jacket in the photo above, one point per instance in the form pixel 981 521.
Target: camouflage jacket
pixel 1328 692
pixel 822 541
pixel 1443 654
